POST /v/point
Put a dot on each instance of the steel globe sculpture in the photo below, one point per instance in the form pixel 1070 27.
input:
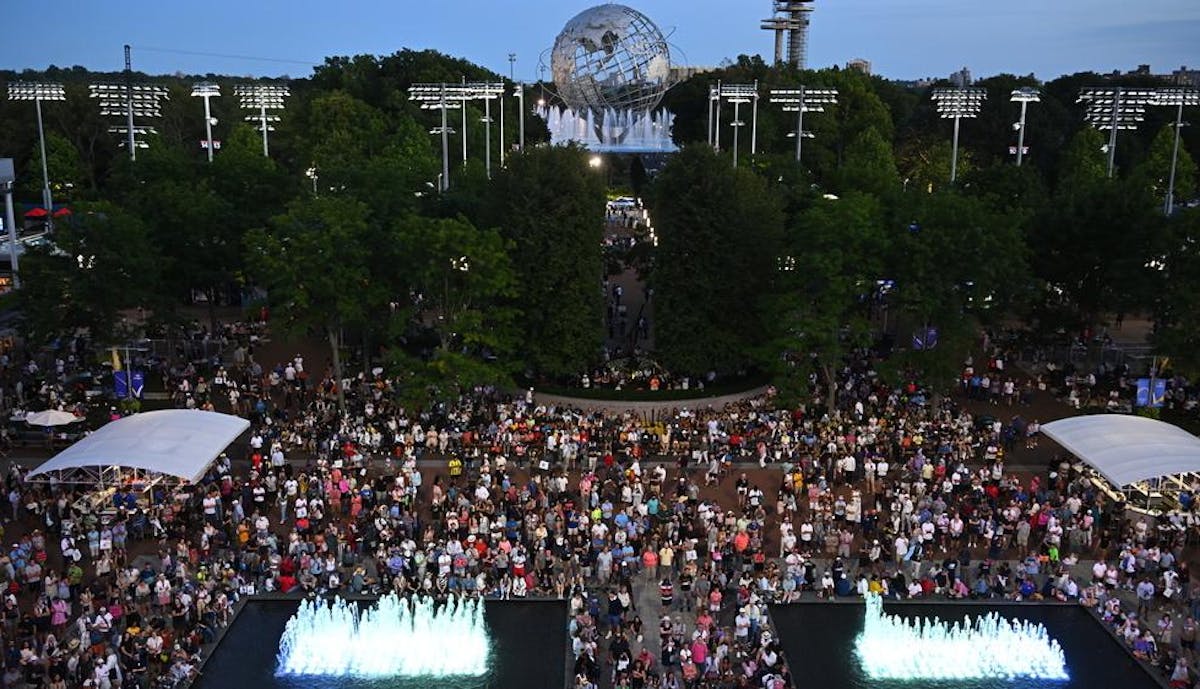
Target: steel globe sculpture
pixel 612 65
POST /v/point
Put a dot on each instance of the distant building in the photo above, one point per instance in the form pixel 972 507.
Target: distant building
pixel 961 78
pixel 681 73
pixel 860 64
pixel 1186 77
pixel 1180 77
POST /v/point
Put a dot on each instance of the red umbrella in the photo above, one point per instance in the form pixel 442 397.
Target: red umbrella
pixel 62 212
pixel 36 213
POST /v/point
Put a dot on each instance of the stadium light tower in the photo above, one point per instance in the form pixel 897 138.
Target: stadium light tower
pixel 958 103
pixel 261 98
pixel 487 91
pixel 131 102
pixel 1024 95
pixel 1115 109
pixel 736 94
pixel 800 101
pixel 207 90
pixel 439 97
pixel 38 92
pixel 1179 98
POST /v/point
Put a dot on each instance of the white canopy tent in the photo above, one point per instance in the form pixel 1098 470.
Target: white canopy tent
pixel 1127 449
pixel 175 442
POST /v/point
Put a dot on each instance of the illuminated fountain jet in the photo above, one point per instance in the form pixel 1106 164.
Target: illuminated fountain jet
pixel 890 647
pixel 394 638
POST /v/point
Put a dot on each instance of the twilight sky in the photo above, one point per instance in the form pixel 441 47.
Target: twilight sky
pixel 903 40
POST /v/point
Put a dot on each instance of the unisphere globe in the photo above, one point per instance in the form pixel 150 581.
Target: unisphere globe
pixel 611 58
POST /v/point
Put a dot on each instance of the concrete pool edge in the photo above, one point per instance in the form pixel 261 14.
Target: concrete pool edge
pixel 1147 668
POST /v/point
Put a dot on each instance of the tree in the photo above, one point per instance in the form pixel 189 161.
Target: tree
pixel 550 205
pixel 1177 308
pixel 720 244
pixel 313 261
pixel 956 261
pixel 63 165
pixel 836 252
pixel 869 165
pixel 1154 173
pixel 101 262
pixel 464 285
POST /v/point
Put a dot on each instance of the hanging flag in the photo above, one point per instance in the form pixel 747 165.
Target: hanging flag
pixel 116 360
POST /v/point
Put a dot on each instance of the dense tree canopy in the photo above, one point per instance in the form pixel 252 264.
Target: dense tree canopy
pixel 772 265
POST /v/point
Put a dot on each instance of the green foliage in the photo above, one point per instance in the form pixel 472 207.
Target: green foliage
pixel 1177 309
pixel 103 262
pixel 836 252
pixel 721 232
pixel 550 206
pixel 467 285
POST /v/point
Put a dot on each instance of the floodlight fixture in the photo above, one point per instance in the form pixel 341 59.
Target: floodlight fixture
pixel 1114 109
pixel 261 98
pixel 1024 95
pixel 207 91
pixel 487 91
pixel 38 92
pixel 131 102
pixel 443 97
pixel 802 100
pixel 737 94
pixel 957 103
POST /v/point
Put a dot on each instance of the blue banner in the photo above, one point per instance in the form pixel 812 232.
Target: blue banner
pixel 926 338
pixel 121 384
pixel 1151 393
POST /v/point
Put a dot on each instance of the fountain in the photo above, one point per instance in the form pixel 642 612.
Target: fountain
pixel 616 131
pixel 395 637
pixel 890 647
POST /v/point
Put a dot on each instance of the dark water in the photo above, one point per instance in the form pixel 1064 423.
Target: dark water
pixel 818 642
pixel 529 650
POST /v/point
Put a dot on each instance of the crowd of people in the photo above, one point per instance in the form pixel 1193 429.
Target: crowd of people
pixel 691 522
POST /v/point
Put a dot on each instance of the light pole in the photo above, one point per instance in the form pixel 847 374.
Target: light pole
pixel 1177 97
pixel 520 93
pixel 486 91
pixel 800 101
pixel 512 61
pixel 207 90
pixel 8 179
pixel 1115 109
pixel 38 92
pixel 712 97
pixel 737 94
pixel 130 102
pixel 958 103
pixel 1024 95
pixel 259 98
pixel 443 97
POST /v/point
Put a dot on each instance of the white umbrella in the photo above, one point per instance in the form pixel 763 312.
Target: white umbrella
pixel 50 417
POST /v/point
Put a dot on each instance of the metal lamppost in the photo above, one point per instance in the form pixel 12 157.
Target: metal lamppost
pixel 207 90
pixel 519 92
pixel 1115 109
pixel 1177 97
pixel 38 92
pixel 8 180
pixel 485 91
pixel 800 101
pixel 130 102
pixel 439 97
pixel 714 99
pixel 260 98
pixel 958 103
pixel 737 94
pixel 1024 95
